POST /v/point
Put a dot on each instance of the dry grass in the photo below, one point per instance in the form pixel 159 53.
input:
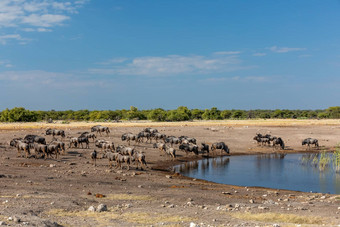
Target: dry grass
pixel 281 218
pixel 235 123
pixel 139 218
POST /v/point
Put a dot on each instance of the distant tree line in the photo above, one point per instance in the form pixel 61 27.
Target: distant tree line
pixel 182 113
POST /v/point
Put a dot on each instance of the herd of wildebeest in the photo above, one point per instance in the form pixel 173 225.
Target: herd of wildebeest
pixel 126 155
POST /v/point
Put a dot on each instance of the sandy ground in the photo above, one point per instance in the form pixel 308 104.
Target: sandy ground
pixel 37 192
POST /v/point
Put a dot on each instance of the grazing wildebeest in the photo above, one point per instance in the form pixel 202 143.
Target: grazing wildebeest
pixel 35 139
pixel 160 146
pixel 55 132
pixel 21 146
pixel 189 148
pixel 278 141
pixel 88 135
pixel 140 159
pixel 171 152
pixel 310 141
pixel 99 129
pixel 220 145
pixel 142 135
pixel 204 148
pixel 128 137
pixel 94 157
pixel 85 140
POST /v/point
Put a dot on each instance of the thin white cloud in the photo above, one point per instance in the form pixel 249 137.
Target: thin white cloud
pixel 36 15
pixel 45 20
pixel 227 52
pixel 284 49
pixel 5 63
pixel 4 39
pixel 259 54
pixel 236 78
pixel 36 78
pixel 170 65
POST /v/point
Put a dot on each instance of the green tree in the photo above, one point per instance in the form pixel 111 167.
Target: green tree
pixel 157 115
pixel 238 114
pixel 196 114
pixel 226 114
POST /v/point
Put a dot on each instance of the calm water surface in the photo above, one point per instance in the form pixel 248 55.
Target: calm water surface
pixel 290 171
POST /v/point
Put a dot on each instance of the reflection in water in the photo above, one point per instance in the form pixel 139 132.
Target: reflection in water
pixel 284 171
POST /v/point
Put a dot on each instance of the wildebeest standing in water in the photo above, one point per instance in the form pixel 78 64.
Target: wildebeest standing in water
pixel 220 145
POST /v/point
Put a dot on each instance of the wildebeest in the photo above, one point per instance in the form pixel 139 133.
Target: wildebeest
pixel 74 142
pixel 204 148
pixel 160 146
pixel 61 145
pixel 94 157
pixel 158 136
pixel 171 152
pixel 125 150
pixel 53 149
pixel 220 145
pixel 55 132
pixel 99 129
pixel 128 137
pixel 151 130
pixel 142 135
pixel 40 149
pixel 21 146
pixel 111 157
pixel 123 159
pixel 140 159
pixel 310 141
pixel 172 140
pixel 262 140
pixel 85 140
pixel 279 142
pixel 89 135
pixel 189 148
pixel 186 139
pixel 35 139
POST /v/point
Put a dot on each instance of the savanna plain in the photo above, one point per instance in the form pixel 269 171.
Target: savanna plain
pixel 51 192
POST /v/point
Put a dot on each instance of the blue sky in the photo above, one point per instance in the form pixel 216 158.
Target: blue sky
pixel 113 54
